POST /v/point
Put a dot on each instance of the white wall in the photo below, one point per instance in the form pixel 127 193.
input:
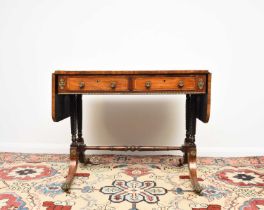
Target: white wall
pixel 40 36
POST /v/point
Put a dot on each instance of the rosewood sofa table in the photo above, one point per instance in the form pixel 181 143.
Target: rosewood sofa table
pixel 69 86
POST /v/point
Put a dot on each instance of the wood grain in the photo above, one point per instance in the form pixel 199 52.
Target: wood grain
pixel 132 72
pixel 164 83
pixel 94 83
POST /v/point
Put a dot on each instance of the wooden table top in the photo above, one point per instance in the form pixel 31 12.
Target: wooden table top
pixel 132 72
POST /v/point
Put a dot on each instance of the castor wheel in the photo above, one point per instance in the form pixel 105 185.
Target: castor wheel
pixel 65 187
pixel 198 189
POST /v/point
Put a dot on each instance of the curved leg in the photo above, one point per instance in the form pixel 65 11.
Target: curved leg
pixel 72 169
pixel 193 170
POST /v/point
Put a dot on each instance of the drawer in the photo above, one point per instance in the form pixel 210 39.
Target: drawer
pixel 164 83
pixel 92 83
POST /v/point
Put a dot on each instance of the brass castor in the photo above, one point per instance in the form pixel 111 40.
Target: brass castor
pixel 88 162
pixel 198 189
pixel 65 187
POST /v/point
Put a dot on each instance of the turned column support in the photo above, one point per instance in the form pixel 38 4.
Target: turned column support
pixel 80 140
pixel 73 108
pixel 79 118
pixel 190 123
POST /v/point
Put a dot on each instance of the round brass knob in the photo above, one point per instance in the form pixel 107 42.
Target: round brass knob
pixel 81 85
pixel 180 83
pixel 113 85
pixel 148 84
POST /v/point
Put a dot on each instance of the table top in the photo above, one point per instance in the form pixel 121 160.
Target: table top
pixel 131 72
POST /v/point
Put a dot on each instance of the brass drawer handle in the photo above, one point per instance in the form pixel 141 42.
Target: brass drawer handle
pixel 82 84
pixel 148 84
pixel 113 85
pixel 180 83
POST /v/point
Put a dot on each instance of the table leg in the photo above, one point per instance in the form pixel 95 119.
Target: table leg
pixel 73 150
pixel 80 140
pixel 74 120
pixel 190 123
pixel 193 170
pixel 189 143
pixel 72 169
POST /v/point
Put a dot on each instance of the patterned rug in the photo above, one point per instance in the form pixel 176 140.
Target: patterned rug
pixel 29 181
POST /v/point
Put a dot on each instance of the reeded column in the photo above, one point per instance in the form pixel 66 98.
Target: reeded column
pixel 190 123
pixel 80 140
pixel 74 120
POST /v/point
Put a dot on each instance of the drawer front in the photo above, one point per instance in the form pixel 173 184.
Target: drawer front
pixel 179 83
pixel 92 84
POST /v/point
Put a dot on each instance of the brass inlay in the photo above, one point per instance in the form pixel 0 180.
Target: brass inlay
pixel 61 83
pixel 138 93
pixel 193 153
pixel 73 153
pixel 200 83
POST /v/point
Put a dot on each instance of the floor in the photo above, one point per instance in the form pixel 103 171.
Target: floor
pixel 32 181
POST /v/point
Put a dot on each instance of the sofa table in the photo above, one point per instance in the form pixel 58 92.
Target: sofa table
pixel 69 86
